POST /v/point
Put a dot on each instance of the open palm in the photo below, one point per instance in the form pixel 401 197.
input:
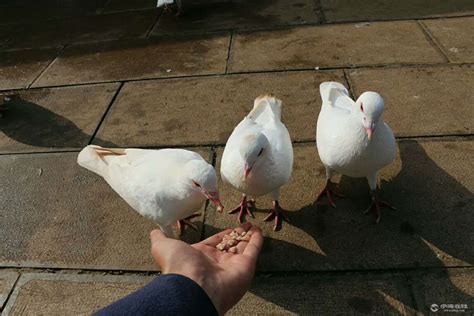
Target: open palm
pixel 224 276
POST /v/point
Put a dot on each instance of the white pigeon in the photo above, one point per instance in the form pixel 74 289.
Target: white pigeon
pixel 353 139
pixel 258 157
pixel 165 185
pixel 165 3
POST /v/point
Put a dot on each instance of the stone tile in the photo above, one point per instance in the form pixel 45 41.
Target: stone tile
pixel 54 119
pixel 57 214
pixel 450 286
pixel 243 14
pixel 7 281
pixel 6 33
pixel 454 36
pixel 357 10
pixel 430 183
pixel 18 69
pixel 344 45
pixel 326 295
pixel 69 294
pixel 83 29
pixel 141 58
pixel 125 5
pixel 422 101
pixel 192 111
pixel 14 11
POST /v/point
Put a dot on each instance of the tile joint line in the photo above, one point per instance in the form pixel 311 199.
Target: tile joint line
pixel 60 51
pixel 112 101
pixel 10 293
pixel 253 72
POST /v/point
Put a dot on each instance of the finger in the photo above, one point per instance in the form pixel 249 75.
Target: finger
pixel 254 246
pixel 156 235
pixel 243 228
pixel 215 239
pixel 241 246
pixel 243 243
pixel 160 245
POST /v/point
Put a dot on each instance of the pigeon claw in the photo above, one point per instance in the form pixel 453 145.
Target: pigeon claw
pixel 277 215
pixel 330 193
pixel 182 223
pixel 375 206
pixel 244 208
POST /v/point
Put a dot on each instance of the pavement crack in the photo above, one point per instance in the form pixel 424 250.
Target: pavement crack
pixel 431 39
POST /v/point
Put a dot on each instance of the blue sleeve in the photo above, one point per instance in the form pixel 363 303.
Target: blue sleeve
pixel 169 294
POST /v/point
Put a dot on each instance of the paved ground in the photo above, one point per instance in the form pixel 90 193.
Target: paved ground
pixel 121 73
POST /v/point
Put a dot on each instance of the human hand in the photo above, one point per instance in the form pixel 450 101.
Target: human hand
pixel 224 276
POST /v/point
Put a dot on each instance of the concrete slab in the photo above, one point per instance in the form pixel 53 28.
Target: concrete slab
pixel 25 11
pixel 69 294
pixel 125 5
pixel 57 214
pixel 344 45
pixel 429 183
pixel 18 69
pixel 356 10
pixel 83 29
pixel 422 101
pixel 54 119
pixel 243 14
pixel 326 295
pixel 454 36
pixel 6 33
pixel 141 58
pixel 194 111
pixel 7 282
pixel 446 291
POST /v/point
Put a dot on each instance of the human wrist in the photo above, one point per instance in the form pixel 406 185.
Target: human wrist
pixel 208 285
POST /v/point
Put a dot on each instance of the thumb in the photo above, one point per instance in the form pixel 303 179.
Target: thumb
pixel 161 248
pixel 156 235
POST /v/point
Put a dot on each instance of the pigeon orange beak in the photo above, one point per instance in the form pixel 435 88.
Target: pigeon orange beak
pixel 247 170
pixel 370 132
pixel 214 197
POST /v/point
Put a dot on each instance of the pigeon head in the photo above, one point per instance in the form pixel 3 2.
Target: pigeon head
pixel 252 148
pixel 370 109
pixel 202 178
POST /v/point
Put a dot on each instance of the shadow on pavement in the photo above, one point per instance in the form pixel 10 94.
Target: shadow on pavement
pixel 431 228
pixel 31 124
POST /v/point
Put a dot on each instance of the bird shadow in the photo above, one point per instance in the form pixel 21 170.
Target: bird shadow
pixel 430 229
pixel 33 125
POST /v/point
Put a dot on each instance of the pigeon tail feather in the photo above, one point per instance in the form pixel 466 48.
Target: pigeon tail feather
pixel 336 95
pixel 161 3
pixel 265 107
pixel 92 157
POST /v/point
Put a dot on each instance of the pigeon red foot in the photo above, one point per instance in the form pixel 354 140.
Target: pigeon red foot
pixel 376 205
pixel 182 223
pixel 277 215
pixel 329 192
pixel 244 208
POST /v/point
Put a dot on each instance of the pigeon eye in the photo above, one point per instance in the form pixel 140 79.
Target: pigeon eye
pixel 196 184
pixel 362 107
pixel 261 151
